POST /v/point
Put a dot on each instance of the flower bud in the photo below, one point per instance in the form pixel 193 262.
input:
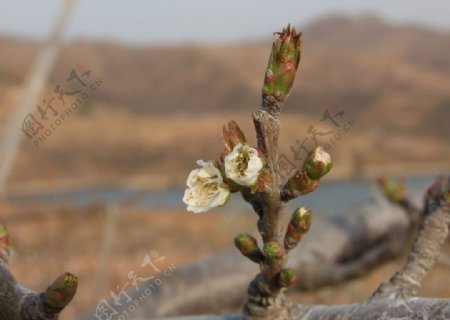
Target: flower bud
pixel 61 291
pixel 298 225
pixel 232 136
pixel 317 164
pixel 393 189
pixel 301 183
pixel 301 219
pixel 283 62
pixel 439 190
pixel 274 250
pixel 248 246
pixel 287 278
pixel 4 242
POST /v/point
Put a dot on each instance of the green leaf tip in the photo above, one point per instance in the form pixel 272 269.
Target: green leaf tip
pixel 393 189
pixel 283 62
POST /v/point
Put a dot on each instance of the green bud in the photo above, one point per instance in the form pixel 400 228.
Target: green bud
pixel 298 225
pixel 301 219
pixel 300 182
pixel 4 240
pixel 393 189
pixel 274 250
pixel 59 294
pixel 283 62
pixel 248 246
pixel 287 277
pixel 317 164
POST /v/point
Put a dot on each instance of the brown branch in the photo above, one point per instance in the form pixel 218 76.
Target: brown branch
pixel 264 297
pixel 434 231
pixel 386 308
pixel 18 303
pixel 383 308
pixel 340 248
pixel 341 243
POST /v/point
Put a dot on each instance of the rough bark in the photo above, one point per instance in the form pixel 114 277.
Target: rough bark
pixel 394 300
pixel 18 303
pixel 334 250
pixel 264 293
pixel 423 255
pixel 386 308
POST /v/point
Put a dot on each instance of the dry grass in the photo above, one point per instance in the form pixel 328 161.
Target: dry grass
pixel 49 242
pixel 115 147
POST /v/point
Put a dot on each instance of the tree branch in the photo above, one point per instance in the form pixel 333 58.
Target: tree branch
pixel 18 303
pixel 392 300
pixel 386 308
pixel 333 251
pixel 432 234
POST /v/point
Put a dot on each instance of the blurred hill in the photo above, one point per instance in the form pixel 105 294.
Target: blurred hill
pixel 160 108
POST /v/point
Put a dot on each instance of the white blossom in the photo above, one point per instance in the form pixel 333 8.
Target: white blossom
pixel 303 211
pixel 206 188
pixel 243 164
pixel 322 156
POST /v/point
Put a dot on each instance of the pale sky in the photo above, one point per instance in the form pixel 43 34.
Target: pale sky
pixel 175 21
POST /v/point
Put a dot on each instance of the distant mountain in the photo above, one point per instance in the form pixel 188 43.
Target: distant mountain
pixel 353 62
pixel 394 80
pixel 356 58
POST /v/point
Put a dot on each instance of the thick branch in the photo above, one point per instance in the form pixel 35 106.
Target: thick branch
pixel 18 303
pixel 423 255
pixel 386 308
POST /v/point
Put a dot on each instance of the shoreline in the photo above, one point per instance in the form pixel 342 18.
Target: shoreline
pixel 164 182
